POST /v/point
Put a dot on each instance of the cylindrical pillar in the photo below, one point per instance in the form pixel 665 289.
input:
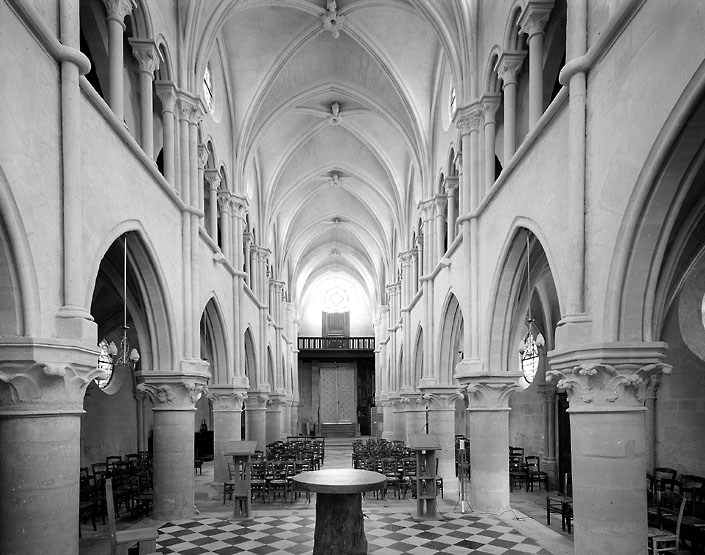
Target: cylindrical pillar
pixel 451 188
pixel 147 55
pixel 174 397
pixel 490 104
pixel 399 421
pixel 441 423
pixel 224 204
pixel 608 452
pixel 274 419
pixel 213 180
pixel 415 415
pixel 227 421
pixel 389 433
pixel 117 10
pixel 42 387
pixel 167 94
pixel 508 67
pixel 256 419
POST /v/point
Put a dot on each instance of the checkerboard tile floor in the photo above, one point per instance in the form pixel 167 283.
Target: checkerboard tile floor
pixel 388 533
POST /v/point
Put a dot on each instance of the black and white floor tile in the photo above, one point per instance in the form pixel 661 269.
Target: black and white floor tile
pixel 388 533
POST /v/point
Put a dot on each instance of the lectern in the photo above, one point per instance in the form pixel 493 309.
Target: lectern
pixel 241 453
pixel 425 447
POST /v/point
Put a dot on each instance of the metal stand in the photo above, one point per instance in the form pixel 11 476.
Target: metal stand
pixel 463 469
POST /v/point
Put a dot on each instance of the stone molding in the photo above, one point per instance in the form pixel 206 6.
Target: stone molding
pixel 147 55
pixel 509 65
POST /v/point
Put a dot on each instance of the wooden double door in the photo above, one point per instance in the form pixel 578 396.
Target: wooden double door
pixel 338 389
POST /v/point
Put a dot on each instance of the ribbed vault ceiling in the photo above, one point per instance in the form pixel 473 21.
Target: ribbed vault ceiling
pixel 333 130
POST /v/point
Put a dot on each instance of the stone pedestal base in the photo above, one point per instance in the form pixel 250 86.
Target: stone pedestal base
pixel 340 526
pixel 489 460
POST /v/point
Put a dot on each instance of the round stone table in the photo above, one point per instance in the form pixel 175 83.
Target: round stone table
pixel 340 528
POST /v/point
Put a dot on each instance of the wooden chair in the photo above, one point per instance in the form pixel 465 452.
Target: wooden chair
pixel 535 474
pixel 229 485
pixel 562 503
pixel 517 473
pixel 665 540
pixel 121 541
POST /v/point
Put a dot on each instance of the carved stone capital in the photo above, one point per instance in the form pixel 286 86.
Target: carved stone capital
pixel 468 118
pixel 450 184
pixel 240 206
pixel 147 55
pixel 440 202
pixel 490 103
pixel 490 392
pixel 186 106
pixel 509 65
pixel 212 177
pixel 224 201
pixel 534 16
pixel 441 398
pixel 118 9
pixel 652 385
pixel 604 385
pixel 427 208
pixel 226 397
pixel 166 91
pixel 173 391
pixel 607 377
pixel 45 376
pixel 202 156
pixel 256 400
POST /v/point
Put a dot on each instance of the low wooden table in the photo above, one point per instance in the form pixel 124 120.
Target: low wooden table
pixel 340 527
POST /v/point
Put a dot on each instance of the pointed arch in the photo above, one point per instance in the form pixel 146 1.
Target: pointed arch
pixel 147 301
pixel 450 338
pixel 417 362
pixel 513 294
pixel 250 357
pixel 214 345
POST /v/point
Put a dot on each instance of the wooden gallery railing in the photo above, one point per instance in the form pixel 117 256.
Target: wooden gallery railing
pixel 336 343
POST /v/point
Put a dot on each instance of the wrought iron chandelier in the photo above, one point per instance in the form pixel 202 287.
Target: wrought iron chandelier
pixel 110 356
pixel 530 344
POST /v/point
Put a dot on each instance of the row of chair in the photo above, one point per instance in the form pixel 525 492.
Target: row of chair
pixel 525 471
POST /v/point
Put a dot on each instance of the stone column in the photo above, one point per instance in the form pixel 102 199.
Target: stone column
pixel 468 121
pixel 490 104
pixel 147 55
pixel 73 320
pixel 117 10
pixel 274 418
pixel 508 67
pixel 399 420
pixel 167 94
pixel 441 423
pixel 650 396
pixel 174 396
pixel 247 256
pixel 605 384
pixel 227 422
pixel 533 20
pixel 224 205
pixel 440 202
pixel 42 384
pixel 549 463
pixel 256 418
pixel 488 433
pixel 285 424
pixel 414 414
pixel 451 188
pixel 213 179
pixel 389 432
pixel 202 161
